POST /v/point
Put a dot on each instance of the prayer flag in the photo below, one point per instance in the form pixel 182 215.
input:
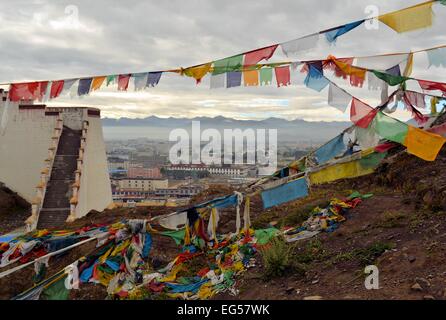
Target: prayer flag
pixel 111 79
pixel 392 80
pixel 332 35
pixel 437 57
pixel 233 79
pixel 139 80
pixel 218 81
pixel 284 193
pixel 84 86
pixel 423 144
pixel 315 78
pixel 338 98
pixel 97 83
pixel 361 114
pixel 251 78
pixel 123 82
pixel 298 45
pixel 390 128
pixel 431 85
pixel 27 91
pixel 330 150
pixel 282 76
pixel 254 57
pixel 198 72
pixel 153 78
pixel 56 88
pixel 228 64
pixel 266 76
pixel 408 19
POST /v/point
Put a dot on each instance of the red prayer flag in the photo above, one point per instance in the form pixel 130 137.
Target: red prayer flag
pixel 431 85
pixel 254 57
pixel 56 88
pixel 361 114
pixel 123 82
pixel 27 91
pixel 282 76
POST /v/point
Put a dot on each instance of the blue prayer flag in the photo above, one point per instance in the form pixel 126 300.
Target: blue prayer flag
pixel 284 193
pixel 233 79
pixel 330 150
pixel 315 78
pixel 332 35
pixel 84 86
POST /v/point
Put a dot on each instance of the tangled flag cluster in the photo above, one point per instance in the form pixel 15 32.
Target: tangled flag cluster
pixel 228 72
pixel 206 266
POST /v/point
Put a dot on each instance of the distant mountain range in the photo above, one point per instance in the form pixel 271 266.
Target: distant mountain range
pixel 159 128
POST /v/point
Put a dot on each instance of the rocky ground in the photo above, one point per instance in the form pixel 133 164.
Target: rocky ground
pixel 14 210
pixel 401 230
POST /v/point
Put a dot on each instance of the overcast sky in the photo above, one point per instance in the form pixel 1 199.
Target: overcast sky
pixel 42 40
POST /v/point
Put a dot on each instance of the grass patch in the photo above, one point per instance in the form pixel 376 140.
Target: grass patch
pixel 365 256
pixel 279 259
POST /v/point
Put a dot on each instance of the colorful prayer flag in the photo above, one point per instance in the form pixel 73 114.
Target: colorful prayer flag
pixel 431 85
pixel 284 193
pixel 283 76
pixel 153 78
pixel 139 80
pixel 218 81
pixel 233 79
pixel 315 78
pixel 361 114
pixel 27 91
pixel 254 57
pixel 198 72
pixel 392 80
pixel 330 150
pixel 84 86
pixel 56 88
pixel 111 79
pixel 123 82
pixel 437 57
pixel 423 144
pixel 251 77
pixel 97 83
pixel 390 128
pixel 408 19
pixel 228 64
pixel 266 76
pixel 333 34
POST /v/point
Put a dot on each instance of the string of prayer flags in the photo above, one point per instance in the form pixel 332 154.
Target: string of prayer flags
pixel 56 88
pixel 266 76
pixel 361 114
pixel 284 193
pixel 299 45
pixel 123 82
pixel 251 77
pixel 254 57
pixel 332 34
pixel 338 98
pixel 409 19
pixel 228 64
pixel 390 79
pixel 431 85
pixel 198 72
pixel 153 78
pixel 283 76
pixel 423 144
pixel 330 150
pixel 437 57
pixel 27 91
pixel 84 86
pixel 97 83
pixel 233 79
pixel 315 77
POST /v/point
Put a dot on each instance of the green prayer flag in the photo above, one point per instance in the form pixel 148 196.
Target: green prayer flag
pixel 372 160
pixel 263 236
pixel 111 79
pixel 228 64
pixel 389 128
pixel 390 79
pixel 177 236
pixel 266 76
pixel 56 291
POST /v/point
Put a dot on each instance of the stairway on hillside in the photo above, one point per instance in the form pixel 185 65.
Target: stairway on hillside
pixel 56 205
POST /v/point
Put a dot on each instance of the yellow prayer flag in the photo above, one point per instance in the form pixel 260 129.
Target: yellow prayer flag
pixel 350 70
pixel 335 172
pixel 408 19
pixel 198 72
pixel 423 144
pixel 251 78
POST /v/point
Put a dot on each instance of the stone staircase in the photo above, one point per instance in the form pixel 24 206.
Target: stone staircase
pixel 56 204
